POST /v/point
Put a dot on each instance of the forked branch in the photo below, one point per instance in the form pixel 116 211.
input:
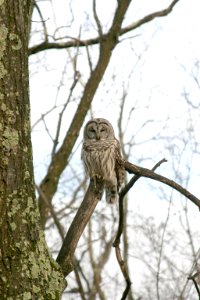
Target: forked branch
pixel 116 243
pixel 194 280
pixel 87 207
pixel 74 42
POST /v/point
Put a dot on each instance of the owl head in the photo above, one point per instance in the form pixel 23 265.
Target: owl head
pixel 98 130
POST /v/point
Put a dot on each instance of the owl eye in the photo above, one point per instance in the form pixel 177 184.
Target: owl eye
pixel 92 130
pixel 102 130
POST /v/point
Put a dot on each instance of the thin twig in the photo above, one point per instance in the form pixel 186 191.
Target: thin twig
pixel 53 213
pixel 195 283
pixel 122 194
pixel 43 22
pixel 97 19
pixel 55 141
pixel 124 272
pixel 120 230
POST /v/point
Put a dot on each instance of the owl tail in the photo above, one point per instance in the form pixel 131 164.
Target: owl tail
pixel 111 195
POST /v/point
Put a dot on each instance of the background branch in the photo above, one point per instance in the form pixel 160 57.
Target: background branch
pixel 116 243
pixel 133 169
pixel 193 278
pixel 74 42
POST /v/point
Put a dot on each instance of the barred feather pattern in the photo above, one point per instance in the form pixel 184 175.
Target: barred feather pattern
pixel 102 159
pixel 99 159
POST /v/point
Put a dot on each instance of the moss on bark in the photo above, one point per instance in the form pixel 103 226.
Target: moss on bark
pixel 27 269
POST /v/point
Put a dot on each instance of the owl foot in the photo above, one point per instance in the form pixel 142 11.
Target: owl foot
pixel 111 196
pixel 98 186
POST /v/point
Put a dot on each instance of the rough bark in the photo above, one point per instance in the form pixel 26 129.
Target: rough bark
pixel 26 269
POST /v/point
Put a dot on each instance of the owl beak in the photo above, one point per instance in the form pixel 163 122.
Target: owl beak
pixel 98 136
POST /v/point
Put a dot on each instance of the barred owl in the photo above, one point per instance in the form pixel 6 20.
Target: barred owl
pixel 102 157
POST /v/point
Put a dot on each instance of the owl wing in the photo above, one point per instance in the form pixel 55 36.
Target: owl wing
pixel 119 166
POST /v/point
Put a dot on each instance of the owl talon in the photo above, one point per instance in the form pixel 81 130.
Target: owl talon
pixel 111 196
pixel 111 200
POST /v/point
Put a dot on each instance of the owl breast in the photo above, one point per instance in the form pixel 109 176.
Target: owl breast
pixel 102 157
pixel 99 158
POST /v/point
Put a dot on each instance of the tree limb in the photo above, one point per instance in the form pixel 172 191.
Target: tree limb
pixel 150 17
pixel 193 278
pixel 74 42
pixel 66 254
pixel 116 243
pixel 133 169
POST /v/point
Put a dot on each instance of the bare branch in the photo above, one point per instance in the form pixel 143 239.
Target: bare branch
pixel 133 169
pixel 43 116
pixel 120 230
pixel 53 213
pixel 55 141
pixel 78 279
pixel 193 278
pixel 124 272
pixel 43 22
pixel 74 42
pixel 65 256
pixel 150 17
pixel 97 19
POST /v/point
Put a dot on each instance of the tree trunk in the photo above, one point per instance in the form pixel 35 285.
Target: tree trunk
pixel 26 269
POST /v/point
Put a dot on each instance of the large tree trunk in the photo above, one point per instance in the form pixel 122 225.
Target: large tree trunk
pixel 26 269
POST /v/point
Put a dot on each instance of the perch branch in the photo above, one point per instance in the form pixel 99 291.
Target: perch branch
pixel 66 255
pixel 92 196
